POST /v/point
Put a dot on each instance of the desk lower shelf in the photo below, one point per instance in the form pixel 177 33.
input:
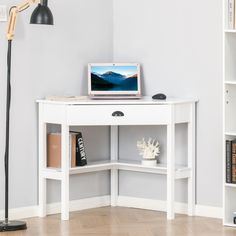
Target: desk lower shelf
pixel 180 171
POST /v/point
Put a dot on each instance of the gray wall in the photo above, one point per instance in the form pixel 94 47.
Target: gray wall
pixel 51 60
pixel 150 185
pixel 179 44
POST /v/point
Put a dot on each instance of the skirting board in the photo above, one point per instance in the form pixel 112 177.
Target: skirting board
pixel 122 201
pixel 55 208
pixel 158 205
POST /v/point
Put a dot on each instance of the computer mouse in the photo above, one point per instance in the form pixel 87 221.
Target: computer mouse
pixel 159 96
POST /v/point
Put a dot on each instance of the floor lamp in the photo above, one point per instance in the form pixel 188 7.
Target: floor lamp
pixel 41 15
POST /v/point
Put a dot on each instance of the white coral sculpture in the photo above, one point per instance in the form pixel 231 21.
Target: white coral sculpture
pixel 150 149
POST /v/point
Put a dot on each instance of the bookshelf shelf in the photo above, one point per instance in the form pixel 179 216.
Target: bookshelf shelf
pixel 230 185
pixel 230 133
pixel 230 31
pixel 230 82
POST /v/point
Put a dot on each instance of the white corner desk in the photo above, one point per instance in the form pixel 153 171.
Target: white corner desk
pixel 114 113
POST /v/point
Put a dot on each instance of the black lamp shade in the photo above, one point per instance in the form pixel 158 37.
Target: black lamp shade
pixel 42 15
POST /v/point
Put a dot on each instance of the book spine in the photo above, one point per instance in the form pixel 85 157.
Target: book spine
pixel 81 158
pixel 234 162
pixel 234 174
pixel 73 150
pixel 228 161
pixel 231 14
pixel 70 151
pixel 54 150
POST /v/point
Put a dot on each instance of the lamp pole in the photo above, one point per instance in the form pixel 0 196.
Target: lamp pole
pixel 41 15
pixel 8 104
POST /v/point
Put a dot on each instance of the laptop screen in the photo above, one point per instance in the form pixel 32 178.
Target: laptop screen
pixel 114 78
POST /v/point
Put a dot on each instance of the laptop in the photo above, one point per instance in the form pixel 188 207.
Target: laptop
pixel 114 81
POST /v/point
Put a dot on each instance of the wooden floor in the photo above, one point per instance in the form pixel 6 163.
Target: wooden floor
pixel 123 222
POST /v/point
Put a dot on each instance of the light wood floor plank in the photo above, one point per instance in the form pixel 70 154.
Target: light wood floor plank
pixel 120 221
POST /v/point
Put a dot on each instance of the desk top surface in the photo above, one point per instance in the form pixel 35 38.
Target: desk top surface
pixel 84 100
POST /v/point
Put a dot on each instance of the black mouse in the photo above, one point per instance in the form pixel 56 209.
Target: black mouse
pixel 159 96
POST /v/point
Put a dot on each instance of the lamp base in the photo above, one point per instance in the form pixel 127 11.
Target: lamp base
pixel 12 226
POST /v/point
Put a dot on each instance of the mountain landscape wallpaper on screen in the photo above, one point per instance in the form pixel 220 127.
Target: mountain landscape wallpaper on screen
pixel 114 78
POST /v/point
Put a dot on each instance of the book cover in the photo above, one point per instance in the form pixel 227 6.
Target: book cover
pixel 233 161
pixel 81 158
pixel 54 150
pixel 231 10
pixel 228 161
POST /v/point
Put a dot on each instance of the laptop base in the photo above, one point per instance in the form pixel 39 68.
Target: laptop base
pixel 112 97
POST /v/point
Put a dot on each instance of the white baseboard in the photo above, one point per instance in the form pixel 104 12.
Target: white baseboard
pixel 209 211
pixel 123 201
pixel 159 205
pixel 81 204
pixel 149 204
pixel 21 213
pixel 55 208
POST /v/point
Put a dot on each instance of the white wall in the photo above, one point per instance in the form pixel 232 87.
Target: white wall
pixel 179 44
pixel 51 60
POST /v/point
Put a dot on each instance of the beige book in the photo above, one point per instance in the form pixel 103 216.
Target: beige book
pixel 54 150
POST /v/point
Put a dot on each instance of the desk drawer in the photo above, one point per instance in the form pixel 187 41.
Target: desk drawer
pixel 118 114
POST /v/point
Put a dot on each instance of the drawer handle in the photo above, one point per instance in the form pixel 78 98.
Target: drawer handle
pixel 117 113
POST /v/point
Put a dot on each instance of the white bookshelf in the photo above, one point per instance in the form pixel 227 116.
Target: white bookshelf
pixel 229 108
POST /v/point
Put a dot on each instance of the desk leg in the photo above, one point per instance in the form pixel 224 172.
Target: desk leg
pixel 42 163
pixel 170 170
pixel 191 162
pixel 65 172
pixel 114 187
pixel 114 152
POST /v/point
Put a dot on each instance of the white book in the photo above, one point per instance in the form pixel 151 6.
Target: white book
pixel 66 98
pixel 231 14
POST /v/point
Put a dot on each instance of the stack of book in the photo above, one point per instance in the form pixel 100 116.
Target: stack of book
pixel 77 153
pixel 231 14
pixel 231 161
